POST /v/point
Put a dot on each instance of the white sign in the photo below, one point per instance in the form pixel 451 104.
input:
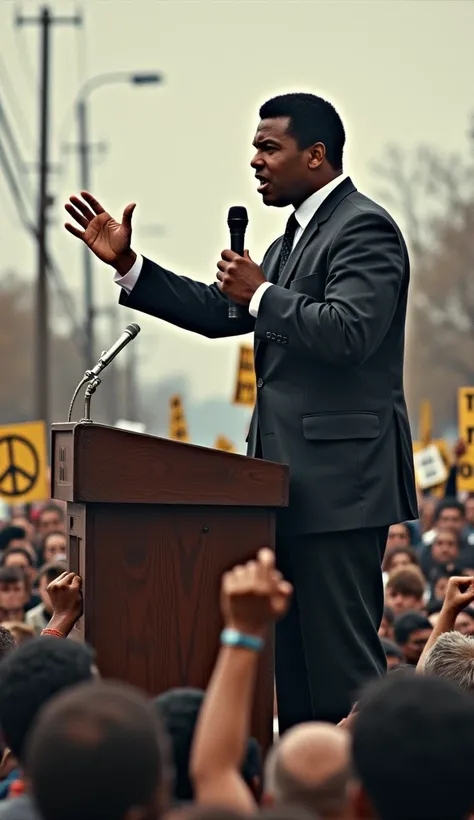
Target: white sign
pixel 430 468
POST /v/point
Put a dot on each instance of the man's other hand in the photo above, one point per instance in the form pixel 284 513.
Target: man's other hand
pixel 254 595
pixel 108 239
pixel 239 277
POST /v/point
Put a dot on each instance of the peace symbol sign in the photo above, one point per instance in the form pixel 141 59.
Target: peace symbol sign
pixel 22 465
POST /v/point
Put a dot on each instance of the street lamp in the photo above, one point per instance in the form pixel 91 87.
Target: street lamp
pixel 91 85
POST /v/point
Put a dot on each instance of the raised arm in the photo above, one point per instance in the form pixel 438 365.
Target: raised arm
pixel 183 302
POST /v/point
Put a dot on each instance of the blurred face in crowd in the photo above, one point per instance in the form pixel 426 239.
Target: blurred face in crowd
pixel 54 545
pixel 469 505
pixel 398 536
pixel 400 559
pixel 427 508
pixel 386 629
pixel 13 595
pixel 402 602
pixel 445 548
pixel 440 588
pixel 392 662
pixel 17 559
pixel 50 521
pixel 452 518
pixel 415 645
pixel 23 521
pixel 464 624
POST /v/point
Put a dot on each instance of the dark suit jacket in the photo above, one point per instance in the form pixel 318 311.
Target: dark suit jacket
pixel 329 349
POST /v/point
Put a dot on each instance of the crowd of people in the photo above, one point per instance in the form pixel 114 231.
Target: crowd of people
pixel 76 746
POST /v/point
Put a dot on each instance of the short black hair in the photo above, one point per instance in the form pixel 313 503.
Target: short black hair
pixel 408 732
pixel 312 120
pixel 12 575
pixel 7 642
pixel 102 745
pixel 39 669
pixel 449 503
pixel 410 622
pixel 179 711
pixel 434 606
pixel 469 611
pixel 14 551
pixel 11 533
pixel 391 649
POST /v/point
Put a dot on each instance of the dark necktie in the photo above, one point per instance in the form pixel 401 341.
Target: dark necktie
pixel 288 239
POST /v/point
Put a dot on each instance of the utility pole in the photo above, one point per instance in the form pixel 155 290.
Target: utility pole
pixel 42 370
pixel 84 150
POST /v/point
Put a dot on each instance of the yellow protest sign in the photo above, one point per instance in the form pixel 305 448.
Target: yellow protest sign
pixel 426 423
pixel 465 476
pixel 223 443
pixel 178 429
pixel 245 390
pixel 23 463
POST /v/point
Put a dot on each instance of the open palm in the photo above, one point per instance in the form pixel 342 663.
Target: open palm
pixel 106 237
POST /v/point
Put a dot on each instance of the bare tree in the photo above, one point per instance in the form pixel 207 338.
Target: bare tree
pixel 433 194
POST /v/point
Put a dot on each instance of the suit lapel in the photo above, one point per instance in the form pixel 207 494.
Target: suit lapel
pixel 322 215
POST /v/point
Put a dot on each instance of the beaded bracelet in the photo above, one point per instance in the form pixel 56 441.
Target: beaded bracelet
pixel 54 632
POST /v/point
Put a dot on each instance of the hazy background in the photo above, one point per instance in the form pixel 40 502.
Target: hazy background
pixel 398 72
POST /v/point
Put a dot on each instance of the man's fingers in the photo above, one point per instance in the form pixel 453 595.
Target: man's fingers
pixel 222 266
pixel 93 202
pixel 127 215
pixel 229 256
pixel 76 582
pixel 82 207
pixel 80 219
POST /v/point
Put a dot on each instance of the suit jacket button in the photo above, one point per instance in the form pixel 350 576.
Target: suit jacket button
pixel 268 334
pixel 279 338
pixel 273 336
pixel 260 383
pixel 285 340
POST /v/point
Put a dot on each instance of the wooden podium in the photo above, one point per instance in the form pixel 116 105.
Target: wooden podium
pixel 153 524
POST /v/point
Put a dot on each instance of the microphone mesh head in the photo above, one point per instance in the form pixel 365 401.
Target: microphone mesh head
pixel 237 214
pixel 133 329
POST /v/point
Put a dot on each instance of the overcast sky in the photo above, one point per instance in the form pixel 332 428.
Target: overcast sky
pixel 397 71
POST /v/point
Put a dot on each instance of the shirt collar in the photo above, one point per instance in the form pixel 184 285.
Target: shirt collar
pixel 308 208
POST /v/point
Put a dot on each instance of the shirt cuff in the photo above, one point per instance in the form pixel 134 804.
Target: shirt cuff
pixel 129 281
pixel 257 298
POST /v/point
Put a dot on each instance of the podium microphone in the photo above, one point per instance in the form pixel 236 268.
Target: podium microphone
pixel 128 334
pixel 237 221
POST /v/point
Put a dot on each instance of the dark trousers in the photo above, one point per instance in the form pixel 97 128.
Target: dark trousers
pixel 327 645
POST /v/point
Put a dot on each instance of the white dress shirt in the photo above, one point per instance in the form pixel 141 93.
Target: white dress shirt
pixel 303 214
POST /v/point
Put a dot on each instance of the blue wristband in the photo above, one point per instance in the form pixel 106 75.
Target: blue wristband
pixel 231 637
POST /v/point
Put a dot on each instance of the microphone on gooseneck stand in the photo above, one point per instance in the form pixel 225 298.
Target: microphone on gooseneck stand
pixel 237 221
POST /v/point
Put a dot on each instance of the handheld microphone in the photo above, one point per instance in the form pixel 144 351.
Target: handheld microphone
pixel 128 334
pixel 237 221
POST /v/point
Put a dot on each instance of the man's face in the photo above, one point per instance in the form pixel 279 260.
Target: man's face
pixel 464 624
pixel 398 536
pixel 284 170
pixel 452 518
pixel 386 630
pixel 49 521
pixel 469 505
pixel 400 602
pixel 415 645
pixel 392 662
pixel 13 595
pixel 445 549
pixel 55 545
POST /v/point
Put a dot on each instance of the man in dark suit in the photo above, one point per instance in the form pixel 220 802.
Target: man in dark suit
pixel 328 307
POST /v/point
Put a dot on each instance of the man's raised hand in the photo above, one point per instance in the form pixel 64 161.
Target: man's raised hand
pixel 108 239
pixel 254 595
